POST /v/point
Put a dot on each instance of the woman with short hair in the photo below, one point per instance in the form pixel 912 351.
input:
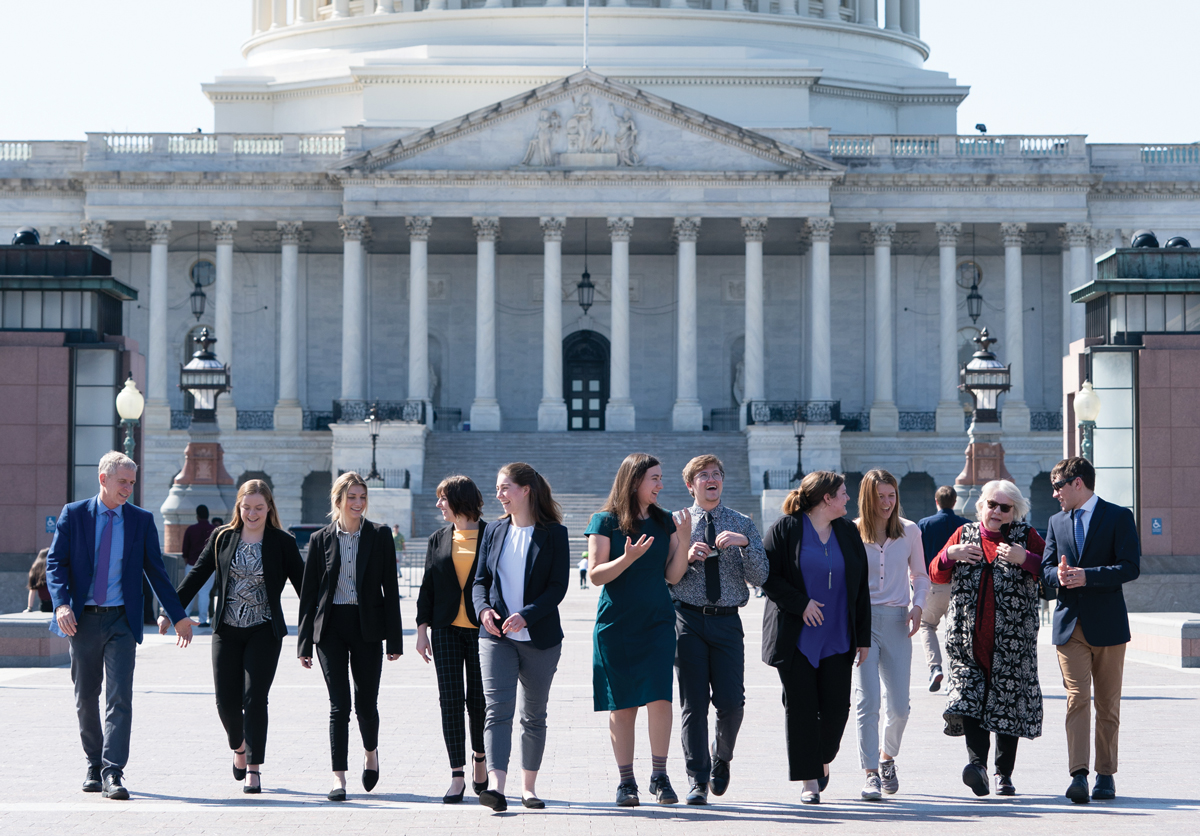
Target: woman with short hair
pixel 993 567
pixel 448 629
pixel 349 606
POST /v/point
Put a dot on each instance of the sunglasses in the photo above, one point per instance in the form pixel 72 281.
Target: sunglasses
pixel 1003 506
pixel 1061 483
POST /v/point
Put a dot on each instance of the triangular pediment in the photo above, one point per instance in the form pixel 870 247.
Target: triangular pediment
pixel 587 121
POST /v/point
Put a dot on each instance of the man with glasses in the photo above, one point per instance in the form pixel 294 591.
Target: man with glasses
pixel 1092 548
pixel 725 555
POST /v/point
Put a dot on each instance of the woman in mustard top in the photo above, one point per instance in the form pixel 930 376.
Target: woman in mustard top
pixel 453 641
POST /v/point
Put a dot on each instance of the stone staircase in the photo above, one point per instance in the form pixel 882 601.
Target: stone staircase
pixel 580 468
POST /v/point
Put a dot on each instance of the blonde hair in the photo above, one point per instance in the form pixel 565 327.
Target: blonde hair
pixel 868 506
pixel 337 494
pixel 1020 503
pixel 813 489
pixel 261 488
pixel 114 461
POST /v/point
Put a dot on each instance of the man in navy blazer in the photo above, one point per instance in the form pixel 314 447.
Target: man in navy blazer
pixel 102 546
pixel 1092 548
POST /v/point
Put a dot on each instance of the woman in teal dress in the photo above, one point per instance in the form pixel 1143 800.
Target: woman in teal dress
pixel 634 553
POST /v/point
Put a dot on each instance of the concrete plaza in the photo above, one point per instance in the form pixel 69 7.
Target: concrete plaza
pixel 180 780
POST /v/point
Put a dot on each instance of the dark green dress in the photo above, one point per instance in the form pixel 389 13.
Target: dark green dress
pixel 633 647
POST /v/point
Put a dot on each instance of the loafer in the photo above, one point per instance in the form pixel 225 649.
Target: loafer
pixel 975 777
pixel 627 794
pixel 1105 789
pixel 370 778
pixel 337 794
pixel 935 679
pixel 822 783
pixel 114 789
pixel 872 791
pixel 1078 791
pixel 889 782
pixel 493 800
pixel 720 773
pixel 810 797
pixel 533 803
pixel 93 782
pixel 698 794
pixel 1004 785
pixel 662 790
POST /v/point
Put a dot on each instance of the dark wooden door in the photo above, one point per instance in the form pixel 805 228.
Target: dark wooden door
pixel 585 379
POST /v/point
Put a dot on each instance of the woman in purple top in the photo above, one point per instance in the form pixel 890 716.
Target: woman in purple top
pixel 817 619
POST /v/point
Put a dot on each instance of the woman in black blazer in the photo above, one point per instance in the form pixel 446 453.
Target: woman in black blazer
pixel 349 606
pixel 445 604
pixel 524 566
pixel 817 618
pixel 252 558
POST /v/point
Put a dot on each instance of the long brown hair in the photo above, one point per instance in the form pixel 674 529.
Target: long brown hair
pixel 37 572
pixel 622 500
pixel 261 488
pixel 812 490
pixel 541 502
pixel 868 506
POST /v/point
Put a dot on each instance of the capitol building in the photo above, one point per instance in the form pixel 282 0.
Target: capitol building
pixel 769 198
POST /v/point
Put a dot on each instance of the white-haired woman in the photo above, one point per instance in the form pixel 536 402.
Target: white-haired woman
pixel 992 567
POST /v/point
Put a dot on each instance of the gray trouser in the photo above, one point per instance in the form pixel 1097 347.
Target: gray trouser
pixel 936 604
pixel 710 660
pixel 103 652
pixel 503 663
pixel 889 663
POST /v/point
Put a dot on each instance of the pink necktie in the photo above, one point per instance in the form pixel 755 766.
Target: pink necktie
pixel 100 593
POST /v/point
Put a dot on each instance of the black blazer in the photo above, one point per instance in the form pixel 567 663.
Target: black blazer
pixel 547 569
pixel 437 602
pixel 374 581
pixel 281 562
pixel 786 597
pixel 1112 555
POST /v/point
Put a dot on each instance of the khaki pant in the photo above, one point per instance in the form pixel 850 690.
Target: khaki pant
pixel 1084 666
pixel 936 604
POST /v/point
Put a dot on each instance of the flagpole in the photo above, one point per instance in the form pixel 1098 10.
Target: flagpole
pixel 585 33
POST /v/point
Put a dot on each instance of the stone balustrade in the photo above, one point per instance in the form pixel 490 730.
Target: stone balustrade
pixel 109 146
pixel 1074 145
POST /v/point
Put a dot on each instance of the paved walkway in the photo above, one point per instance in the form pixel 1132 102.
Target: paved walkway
pixel 181 784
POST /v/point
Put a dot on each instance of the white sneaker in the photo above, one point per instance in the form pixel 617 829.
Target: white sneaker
pixel 872 791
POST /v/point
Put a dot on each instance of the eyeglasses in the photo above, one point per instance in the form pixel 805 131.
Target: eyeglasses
pixel 705 476
pixel 1003 506
pixel 1061 483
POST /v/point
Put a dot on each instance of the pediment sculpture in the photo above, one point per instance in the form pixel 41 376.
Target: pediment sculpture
pixel 587 145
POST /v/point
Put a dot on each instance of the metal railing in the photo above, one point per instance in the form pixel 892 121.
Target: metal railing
pixel 316 420
pixel 856 422
pixel 784 412
pixel 1046 421
pixel 778 478
pixel 181 419
pixel 920 422
pixel 725 419
pixel 408 412
pixel 256 419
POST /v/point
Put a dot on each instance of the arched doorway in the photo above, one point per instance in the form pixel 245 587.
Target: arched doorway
pixel 585 379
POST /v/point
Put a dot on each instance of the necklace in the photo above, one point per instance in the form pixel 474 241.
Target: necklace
pixel 830 559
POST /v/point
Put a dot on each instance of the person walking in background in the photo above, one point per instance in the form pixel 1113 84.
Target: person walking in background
pixel 39 595
pixel 724 554
pixel 350 606
pixel 101 549
pixel 816 621
pixel 634 553
pixel 583 570
pixel 521 577
pixel 194 540
pixel 448 629
pixel 899 581
pixel 935 531
pixel 1092 550
pixel 252 560
pixel 991 644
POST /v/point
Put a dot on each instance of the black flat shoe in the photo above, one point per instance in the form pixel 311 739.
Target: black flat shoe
pixel 976 778
pixel 93 781
pixel 822 783
pixel 493 800
pixel 253 789
pixel 457 797
pixel 370 778
pixel 239 774
pixel 533 803
pixel 480 786
pixel 337 794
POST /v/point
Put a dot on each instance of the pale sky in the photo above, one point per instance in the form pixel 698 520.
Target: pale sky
pixel 1114 70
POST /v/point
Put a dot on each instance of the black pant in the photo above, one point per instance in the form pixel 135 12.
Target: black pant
pixel 343 650
pixel 979 741
pixel 103 653
pixel 455 650
pixel 710 661
pixel 816 703
pixel 244 661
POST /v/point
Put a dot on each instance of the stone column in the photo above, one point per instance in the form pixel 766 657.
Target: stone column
pixel 485 410
pixel 832 9
pixel 949 412
pixel 385 7
pixel 304 11
pixel 289 417
pixel 755 360
pixel 278 13
pixel 552 411
pixel 354 308
pixel 341 8
pixel 910 17
pixel 687 416
pixel 418 312
pixel 1078 236
pixel 158 410
pixel 820 387
pixel 98 234
pixel 891 18
pixel 223 314
pixel 1014 412
pixel 885 418
pixel 619 414
pixel 866 13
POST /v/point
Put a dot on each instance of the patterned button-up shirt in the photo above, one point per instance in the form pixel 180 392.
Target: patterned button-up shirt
pixel 739 565
pixel 346 592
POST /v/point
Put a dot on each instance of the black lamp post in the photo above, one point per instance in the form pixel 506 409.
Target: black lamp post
pixel 373 422
pixel 585 289
pixel 985 378
pixel 798 428
pixel 205 378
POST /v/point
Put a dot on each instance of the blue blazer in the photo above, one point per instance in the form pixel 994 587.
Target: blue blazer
pixel 71 562
pixel 937 530
pixel 547 572
pixel 1112 555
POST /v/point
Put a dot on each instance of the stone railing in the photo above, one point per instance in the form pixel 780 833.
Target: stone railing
pixel 110 146
pixel 1171 154
pixel 784 412
pixel 316 420
pixel 15 150
pixel 949 145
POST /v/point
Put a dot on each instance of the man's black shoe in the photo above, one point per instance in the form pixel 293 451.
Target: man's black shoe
pixel 1078 791
pixel 1105 789
pixel 698 794
pixel 114 789
pixel 720 773
pixel 92 782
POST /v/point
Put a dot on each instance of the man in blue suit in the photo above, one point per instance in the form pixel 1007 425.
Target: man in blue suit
pixel 935 531
pixel 1092 548
pixel 101 548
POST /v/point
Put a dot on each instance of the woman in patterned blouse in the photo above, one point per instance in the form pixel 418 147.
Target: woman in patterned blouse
pixel 252 557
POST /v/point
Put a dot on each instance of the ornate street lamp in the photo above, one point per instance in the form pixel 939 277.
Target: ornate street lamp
pixel 205 378
pixel 1087 409
pixel 985 378
pixel 374 422
pixel 129 406
pixel 585 290
pixel 974 301
pixel 798 424
pixel 203 274
pixel 198 299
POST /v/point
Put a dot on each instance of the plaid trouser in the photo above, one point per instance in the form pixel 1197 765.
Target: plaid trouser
pixel 455 650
